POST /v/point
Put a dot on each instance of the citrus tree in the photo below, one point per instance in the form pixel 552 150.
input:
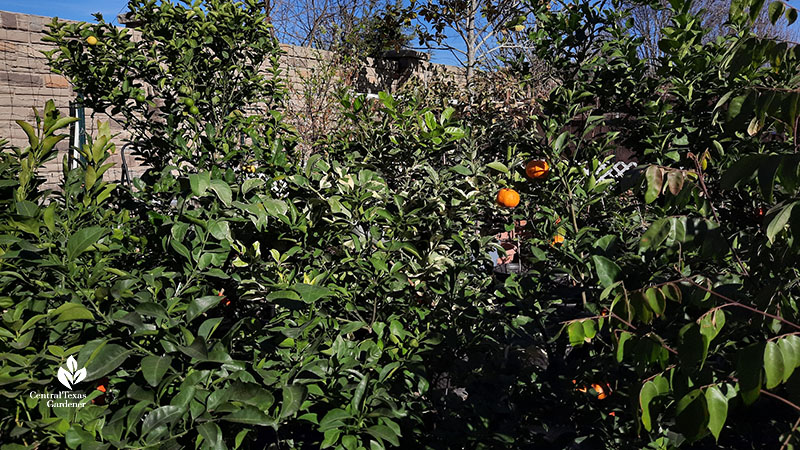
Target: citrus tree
pixel 685 272
pixel 233 297
pixel 240 296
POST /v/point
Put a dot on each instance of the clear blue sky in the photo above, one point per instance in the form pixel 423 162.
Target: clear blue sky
pixel 83 9
pixel 67 9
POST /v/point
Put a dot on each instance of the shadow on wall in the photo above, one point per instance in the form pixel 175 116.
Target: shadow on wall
pixel 393 69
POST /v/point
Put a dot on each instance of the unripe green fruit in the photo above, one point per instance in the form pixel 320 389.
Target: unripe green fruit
pixel 188 102
pixel 194 110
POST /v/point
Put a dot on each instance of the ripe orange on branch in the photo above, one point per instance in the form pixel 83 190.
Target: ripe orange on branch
pixel 508 198
pixel 91 40
pixel 536 169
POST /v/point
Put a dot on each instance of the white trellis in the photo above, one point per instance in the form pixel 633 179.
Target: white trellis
pixel 615 171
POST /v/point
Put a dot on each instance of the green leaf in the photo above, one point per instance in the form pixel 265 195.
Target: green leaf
pixel 559 143
pixel 461 170
pixel 212 434
pixel 766 175
pixel 220 230
pixel 791 15
pixel 107 359
pixel 623 338
pixel 589 329
pixel 275 207
pixel 200 305
pixel 735 106
pixel 755 9
pixel 788 174
pixel 455 132
pixel 154 368
pixel 69 312
pixel 717 410
pixel 222 190
pixel 334 418
pixel 249 415
pixel 385 433
pixel 291 295
pixel 26 208
pixel 199 183
pixel 790 350
pixel 311 293
pixel 711 324
pixel 497 165
pixel 741 170
pixel 163 415
pixel 607 270
pixel 251 184
pixel 331 437
pixel 655 300
pixel 693 347
pixel 240 438
pixel 49 217
pixel 358 395
pixel 648 392
pixel 775 10
pixel 293 397
pixel 691 414
pixel 387 100
pixel 75 437
pixel 773 365
pixel 82 239
pixel 779 221
pixel 655 235
pixel 749 372
pixel 33 140
pixel 197 349
pixel 575 333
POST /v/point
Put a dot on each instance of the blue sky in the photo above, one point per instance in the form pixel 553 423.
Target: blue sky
pixel 83 10
pixel 75 10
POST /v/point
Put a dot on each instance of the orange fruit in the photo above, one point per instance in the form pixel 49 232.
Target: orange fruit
pixel 508 198
pixel 557 240
pixel 537 168
pixel 601 391
pixel 91 40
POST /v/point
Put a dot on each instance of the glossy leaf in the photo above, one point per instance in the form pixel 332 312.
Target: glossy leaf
pixel 773 365
pixel 608 271
pixel 717 410
pixel 154 368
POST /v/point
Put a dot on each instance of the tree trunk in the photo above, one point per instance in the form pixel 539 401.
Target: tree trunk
pixel 471 39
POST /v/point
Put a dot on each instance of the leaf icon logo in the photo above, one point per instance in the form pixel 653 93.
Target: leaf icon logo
pixel 71 375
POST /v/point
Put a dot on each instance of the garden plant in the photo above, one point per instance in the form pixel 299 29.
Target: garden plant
pixel 242 295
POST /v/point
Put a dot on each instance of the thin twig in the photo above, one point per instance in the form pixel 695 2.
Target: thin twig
pixel 789 437
pixel 780 399
pixel 732 302
pixel 783 336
